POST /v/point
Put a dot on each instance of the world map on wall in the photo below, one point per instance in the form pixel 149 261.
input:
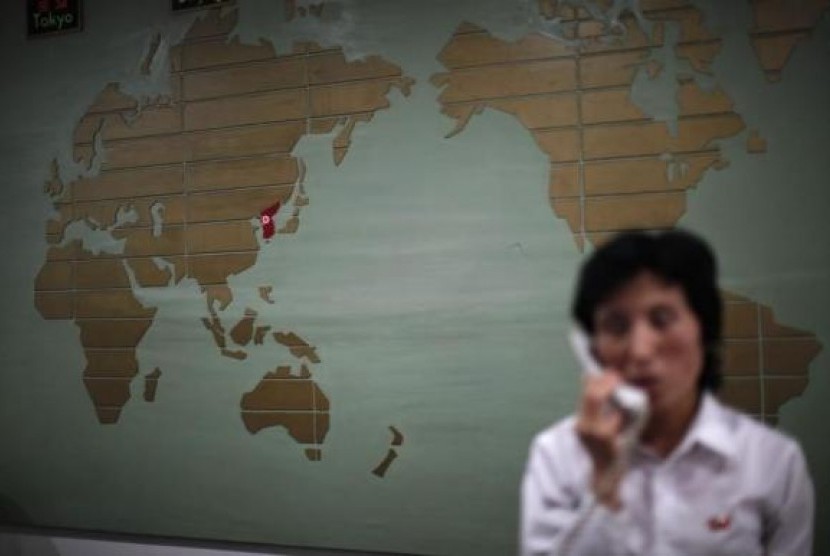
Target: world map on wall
pixel 198 185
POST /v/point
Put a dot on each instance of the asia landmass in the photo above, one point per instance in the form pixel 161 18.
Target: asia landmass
pixel 174 186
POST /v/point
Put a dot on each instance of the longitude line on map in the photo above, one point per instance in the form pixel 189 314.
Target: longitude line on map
pixel 314 413
pixel 581 161
pixel 185 181
pixel 73 203
pixel 307 78
pixel 73 279
pixel 761 362
pixel 297 185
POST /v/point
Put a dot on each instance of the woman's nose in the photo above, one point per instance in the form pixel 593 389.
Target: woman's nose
pixel 642 342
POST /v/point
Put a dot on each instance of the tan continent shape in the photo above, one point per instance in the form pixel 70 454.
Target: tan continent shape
pixel 298 347
pixel 778 27
pixel 381 468
pixel 95 293
pixel 295 402
pixel 265 294
pixel 151 382
pixel 259 334
pixel 195 168
pixel 764 363
pixel 613 167
pixel 243 331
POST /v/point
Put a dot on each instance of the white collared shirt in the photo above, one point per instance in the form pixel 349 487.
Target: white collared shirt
pixel 733 486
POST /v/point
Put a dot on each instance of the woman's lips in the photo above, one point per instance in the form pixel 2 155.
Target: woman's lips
pixel 647 384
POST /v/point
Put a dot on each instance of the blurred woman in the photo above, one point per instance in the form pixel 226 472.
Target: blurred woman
pixel 701 478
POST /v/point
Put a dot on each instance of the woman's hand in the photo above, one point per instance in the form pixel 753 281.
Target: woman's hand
pixel 598 426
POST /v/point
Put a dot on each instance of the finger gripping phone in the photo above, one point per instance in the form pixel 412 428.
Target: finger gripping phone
pixel 630 400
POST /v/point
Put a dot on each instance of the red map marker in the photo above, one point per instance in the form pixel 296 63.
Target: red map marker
pixel 266 218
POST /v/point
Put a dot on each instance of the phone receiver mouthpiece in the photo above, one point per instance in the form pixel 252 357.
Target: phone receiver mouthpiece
pixel 631 400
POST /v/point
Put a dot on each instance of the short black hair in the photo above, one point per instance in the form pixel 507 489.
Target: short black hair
pixel 679 258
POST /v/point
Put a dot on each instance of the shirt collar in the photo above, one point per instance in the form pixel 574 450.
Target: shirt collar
pixel 710 430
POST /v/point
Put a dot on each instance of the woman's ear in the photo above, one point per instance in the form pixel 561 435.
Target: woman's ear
pixel 592 348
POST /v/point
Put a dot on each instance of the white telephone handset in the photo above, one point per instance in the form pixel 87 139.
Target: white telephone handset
pixel 630 400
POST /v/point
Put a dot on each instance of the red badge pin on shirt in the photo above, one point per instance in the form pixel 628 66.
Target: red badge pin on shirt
pixel 266 218
pixel 720 522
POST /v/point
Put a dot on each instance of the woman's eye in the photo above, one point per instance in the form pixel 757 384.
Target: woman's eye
pixel 613 324
pixel 661 317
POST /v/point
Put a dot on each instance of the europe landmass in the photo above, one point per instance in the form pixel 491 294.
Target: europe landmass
pixel 612 166
pixel 193 186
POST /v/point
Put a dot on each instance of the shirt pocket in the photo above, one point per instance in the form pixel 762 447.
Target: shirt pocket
pixel 715 527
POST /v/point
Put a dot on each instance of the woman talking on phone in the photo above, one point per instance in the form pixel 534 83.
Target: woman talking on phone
pixel 697 478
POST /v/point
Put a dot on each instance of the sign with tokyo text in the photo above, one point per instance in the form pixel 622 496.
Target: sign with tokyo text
pixel 47 17
pixel 188 4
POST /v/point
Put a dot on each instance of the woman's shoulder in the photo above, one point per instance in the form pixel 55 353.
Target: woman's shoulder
pixel 557 452
pixel 559 437
pixel 752 435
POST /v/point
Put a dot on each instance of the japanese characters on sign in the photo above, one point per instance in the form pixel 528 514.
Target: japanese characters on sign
pixel 47 17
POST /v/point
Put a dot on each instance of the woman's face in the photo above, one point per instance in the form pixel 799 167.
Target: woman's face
pixel 649 334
